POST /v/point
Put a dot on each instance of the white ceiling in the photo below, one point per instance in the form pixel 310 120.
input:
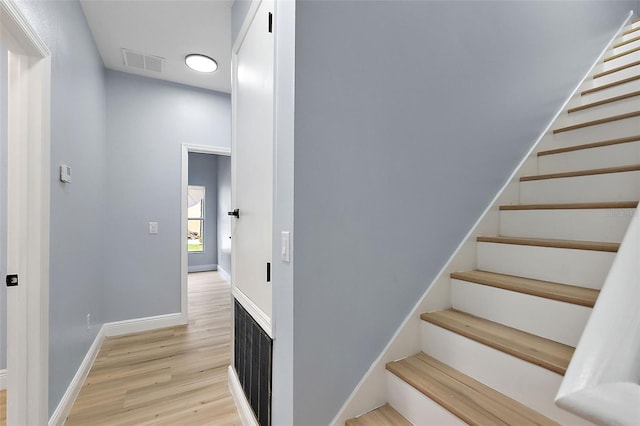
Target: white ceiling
pixel 170 29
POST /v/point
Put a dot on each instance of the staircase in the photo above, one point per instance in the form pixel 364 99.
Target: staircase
pixel 498 355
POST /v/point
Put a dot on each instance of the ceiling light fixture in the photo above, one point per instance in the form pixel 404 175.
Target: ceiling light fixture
pixel 201 63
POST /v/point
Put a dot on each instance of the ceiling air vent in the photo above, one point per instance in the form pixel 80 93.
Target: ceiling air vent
pixel 142 62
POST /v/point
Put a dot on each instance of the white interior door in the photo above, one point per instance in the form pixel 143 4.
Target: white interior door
pixel 28 166
pixel 252 167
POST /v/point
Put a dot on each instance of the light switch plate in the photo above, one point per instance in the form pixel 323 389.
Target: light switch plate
pixel 285 246
pixel 65 173
pixel 153 227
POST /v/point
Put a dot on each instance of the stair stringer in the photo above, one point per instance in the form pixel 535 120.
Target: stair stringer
pixel 370 392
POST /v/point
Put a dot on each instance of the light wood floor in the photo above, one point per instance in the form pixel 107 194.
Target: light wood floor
pixel 173 376
pixel 3 408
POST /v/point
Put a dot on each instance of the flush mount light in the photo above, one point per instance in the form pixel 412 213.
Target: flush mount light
pixel 201 63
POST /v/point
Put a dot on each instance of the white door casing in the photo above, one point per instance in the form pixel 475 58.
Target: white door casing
pixel 252 163
pixel 28 188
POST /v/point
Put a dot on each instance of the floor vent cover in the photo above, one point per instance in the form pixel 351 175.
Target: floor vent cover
pixel 252 361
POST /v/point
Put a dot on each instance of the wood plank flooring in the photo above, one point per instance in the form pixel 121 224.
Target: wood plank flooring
pixel 3 408
pixel 173 376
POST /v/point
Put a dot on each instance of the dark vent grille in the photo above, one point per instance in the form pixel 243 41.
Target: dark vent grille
pixel 252 360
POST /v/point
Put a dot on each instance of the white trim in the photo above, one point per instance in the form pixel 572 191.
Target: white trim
pixel 15 24
pixel 247 416
pixel 3 379
pixel 203 268
pixel 253 309
pixel 377 367
pixel 28 192
pixel 246 24
pixel 224 274
pixel 137 325
pixel 184 184
pixel 63 409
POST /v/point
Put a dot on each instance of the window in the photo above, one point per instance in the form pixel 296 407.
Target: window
pixel 195 219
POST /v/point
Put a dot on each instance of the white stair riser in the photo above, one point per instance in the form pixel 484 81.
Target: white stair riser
pixel 610 78
pixel 602 111
pixel 624 48
pixel 623 186
pixel 570 224
pixel 606 93
pixel 584 268
pixel 624 154
pixel 601 132
pixel 558 321
pixel 415 406
pixel 623 60
pixel 527 383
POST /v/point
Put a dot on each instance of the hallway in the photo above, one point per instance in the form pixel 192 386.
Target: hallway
pixel 170 376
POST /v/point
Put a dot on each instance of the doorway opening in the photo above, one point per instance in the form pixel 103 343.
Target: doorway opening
pixel 206 227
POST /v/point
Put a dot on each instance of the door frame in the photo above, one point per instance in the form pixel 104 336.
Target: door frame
pixel 28 197
pixel 184 184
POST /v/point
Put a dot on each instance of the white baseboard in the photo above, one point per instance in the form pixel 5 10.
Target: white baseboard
pixel 254 310
pixel 3 379
pixel 137 325
pixel 224 274
pixel 247 416
pixel 202 268
pixel 59 416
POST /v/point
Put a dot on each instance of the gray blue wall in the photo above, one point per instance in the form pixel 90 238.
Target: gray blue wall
pixel 147 121
pixel 77 209
pixel 224 206
pixel 203 171
pixel 239 10
pixel 3 205
pixel 409 117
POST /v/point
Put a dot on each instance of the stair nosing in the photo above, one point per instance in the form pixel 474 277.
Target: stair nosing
pixel 616 69
pixel 598 121
pixel 599 144
pixel 610 85
pixel 383 407
pixel 572 206
pixel 579 173
pixel 625 42
pixel 560 294
pixel 471 394
pixel 558 366
pixel 631 30
pixel 621 54
pixel 604 102
pixel 552 243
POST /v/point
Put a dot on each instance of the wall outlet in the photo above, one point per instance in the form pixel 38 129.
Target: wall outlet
pixel 88 321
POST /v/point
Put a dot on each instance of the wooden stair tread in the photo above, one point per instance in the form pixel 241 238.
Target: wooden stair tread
pixel 597 122
pixel 562 292
pixel 547 242
pixel 465 397
pixel 623 43
pixel 604 102
pixel 381 416
pixel 610 85
pixel 537 350
pixel 573 206
pixel 616 69
pixel 599 144
pixel 631 30
pixel 590 172
pixel 621 54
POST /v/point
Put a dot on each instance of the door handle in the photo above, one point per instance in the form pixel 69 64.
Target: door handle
pixel 235 212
